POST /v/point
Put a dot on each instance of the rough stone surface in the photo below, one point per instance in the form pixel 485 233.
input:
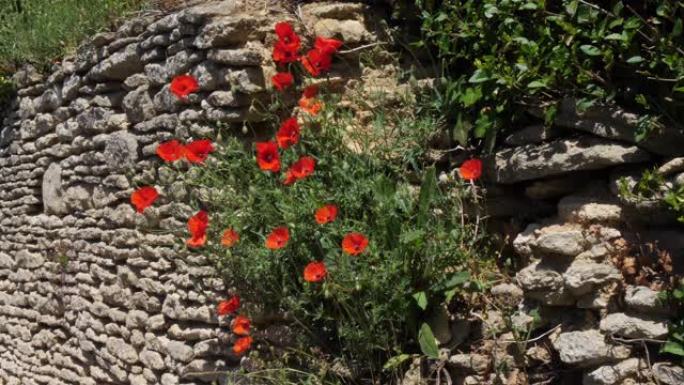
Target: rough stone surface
pixel 615 374
pixel 560 157
pixel 615 123
pixel 91 291
pixel 668 373
pixel 624 325
pixel 643 299
pixel 586 348
pixel 532 134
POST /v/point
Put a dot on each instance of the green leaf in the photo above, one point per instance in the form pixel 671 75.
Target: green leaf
pixel 449 294
pixel 571 7
pixel 590 50
pixel 461 130
pixel 471 96
pixel 478 77
pixel 428 342
pixel 617 9
pixel 677 28
pixel 635 59
pixel 457 279
pixel 395 361
pixel 411 236
pixel 490 10
pixel 421 299
pixel 616 36
pixel 673 348
pixel 536 84
pixel 427 192
pixel 384 189
pixel 530 6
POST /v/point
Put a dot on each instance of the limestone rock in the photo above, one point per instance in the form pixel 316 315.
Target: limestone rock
pixel 349 31
pixel 644 300
pixel 179 351
pixel 668 373
pixel 588 348
pixel 478 363
pixel 582 277
pixel 544 283
pixel 533 134
pixel 53 201
pixel 624 325
pixel 119 65
pixel 567 242
pixel 248 56
pixel 616 123
pixel 560 157
pixel 507 293
pixel 121 151
pixel 673 166
pixel 138 105
pixel 614 374
pixel 119 348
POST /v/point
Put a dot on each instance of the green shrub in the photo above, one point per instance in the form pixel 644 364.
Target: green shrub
pixel 370 306
pixel 500 56
pixel 675 341
pixel 41 31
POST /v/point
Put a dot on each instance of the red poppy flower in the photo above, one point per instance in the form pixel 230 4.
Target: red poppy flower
pixel 282 80
pixel 278 238
pixel 315 272
pixel 326 214
pixel 229 306
pixel 316 61
pixel 327 46
pixel 197 225
pixel 300 169
pixel 471 169
pixel 230 238
pixel 310 106
pixel 286 33
pixel 354 243
pixel 303 167
pixel 284 53
pixel 310 91
pixel 143 198
pixel 197 151
pixel 288 134
pixel 267 156
pixel 240 325
pixel 183 85
pixel 171 150
pixel 242 345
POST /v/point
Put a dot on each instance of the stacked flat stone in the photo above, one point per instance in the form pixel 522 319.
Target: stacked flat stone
pixel 90 291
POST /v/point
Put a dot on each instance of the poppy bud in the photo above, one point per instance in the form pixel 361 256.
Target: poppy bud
pixel 326 293
pixel 357 286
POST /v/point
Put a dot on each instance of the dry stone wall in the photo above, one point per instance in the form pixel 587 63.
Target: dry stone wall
pixel 592 260
pixel 90 291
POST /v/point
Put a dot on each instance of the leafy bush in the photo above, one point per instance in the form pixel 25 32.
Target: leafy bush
pixel 675 342
pixel 40 31
pixel 652 186
pixel 369 306
pixel 500 56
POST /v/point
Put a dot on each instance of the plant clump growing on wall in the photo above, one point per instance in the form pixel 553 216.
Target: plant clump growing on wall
pixel 501 57
pixel 321 228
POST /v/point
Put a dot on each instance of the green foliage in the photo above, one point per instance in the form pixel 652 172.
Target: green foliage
pixel 41 31
pixel 6 90
pixel 675 341
pixel 370 306
pixel 501 56
pixel 653 186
